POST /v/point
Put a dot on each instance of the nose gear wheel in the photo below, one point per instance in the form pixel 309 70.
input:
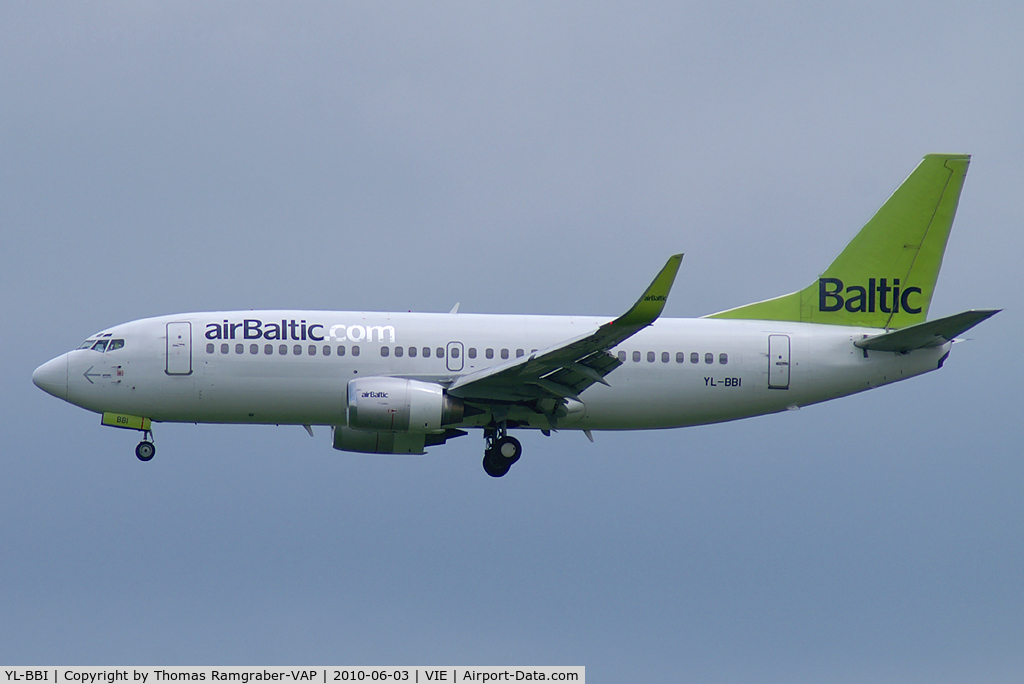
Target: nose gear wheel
pixel 145 451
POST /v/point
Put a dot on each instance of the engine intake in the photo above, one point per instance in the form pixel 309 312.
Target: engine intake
pixel 401 405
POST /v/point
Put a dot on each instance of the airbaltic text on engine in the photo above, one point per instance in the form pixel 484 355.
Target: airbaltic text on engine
pixel 859 298
pixel 255 329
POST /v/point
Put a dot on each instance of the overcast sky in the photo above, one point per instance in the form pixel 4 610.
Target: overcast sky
pixel 535 158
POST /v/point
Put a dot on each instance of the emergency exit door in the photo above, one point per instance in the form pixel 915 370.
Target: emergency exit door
pixel 179 348
pixel 455 352
pixel 778 362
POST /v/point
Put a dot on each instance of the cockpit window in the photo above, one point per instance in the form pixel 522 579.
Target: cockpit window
pixel 87 344
pixel 115 344
pixel 100 345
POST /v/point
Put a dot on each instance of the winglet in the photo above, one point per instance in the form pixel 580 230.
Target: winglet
pixel 652 302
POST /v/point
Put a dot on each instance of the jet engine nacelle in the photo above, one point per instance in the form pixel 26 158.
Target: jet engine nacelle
pixel 373 442
pixel 401 405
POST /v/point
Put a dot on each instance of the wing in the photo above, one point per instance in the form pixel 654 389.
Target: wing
pixel 566 369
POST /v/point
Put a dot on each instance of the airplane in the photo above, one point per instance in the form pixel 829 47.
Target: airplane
pixel 398 383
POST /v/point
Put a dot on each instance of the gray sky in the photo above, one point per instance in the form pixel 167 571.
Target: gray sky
pixel 535 158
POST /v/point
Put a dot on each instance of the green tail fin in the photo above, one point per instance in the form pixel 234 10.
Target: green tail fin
pixel 886 276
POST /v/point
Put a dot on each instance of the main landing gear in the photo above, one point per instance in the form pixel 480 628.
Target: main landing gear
pixel 146 450
pixel 501 452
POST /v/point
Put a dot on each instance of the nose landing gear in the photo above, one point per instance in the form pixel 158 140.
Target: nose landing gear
pixel 146 450
pixel 501 452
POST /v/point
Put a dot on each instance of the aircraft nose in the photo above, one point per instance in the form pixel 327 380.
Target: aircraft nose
pixel 52 377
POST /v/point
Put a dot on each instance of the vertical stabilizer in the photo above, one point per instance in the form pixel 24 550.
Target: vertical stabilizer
pixel 886 276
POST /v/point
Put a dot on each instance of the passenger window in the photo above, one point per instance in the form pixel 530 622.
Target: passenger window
pixel 664 357
pixel 355 350
pixel 224 348
pixel 709 358
pixel 489 353
pixel 384 351
pixel 254 349
pixel 412 352
pixel 680 357
pixel 504 353
pixel 312 350
pixel 239 348
pixel 341 350
pixel 297 350
pixel 327 350
pixel 636 357
pixel 268 349
pixel 209 347
pixel 426 352
pixel 472 352
pixel 100 346
pixel 622 356
pixel 650 357
pixel 283 350
pixel 694 357
pixel 723 359
pixel 115 344
pixel 455 352
pixel 399 351
pixel 440 352
pixel 519 352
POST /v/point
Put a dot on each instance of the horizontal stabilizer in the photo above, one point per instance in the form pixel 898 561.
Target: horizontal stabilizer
pixel 931 334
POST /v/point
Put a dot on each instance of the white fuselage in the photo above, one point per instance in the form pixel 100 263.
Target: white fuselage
pixel 293 367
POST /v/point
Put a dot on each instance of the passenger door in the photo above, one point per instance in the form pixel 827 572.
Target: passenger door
pixel 179 348
pixel 778 362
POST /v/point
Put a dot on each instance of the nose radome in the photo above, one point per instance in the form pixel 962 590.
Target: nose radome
pixel 52 377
